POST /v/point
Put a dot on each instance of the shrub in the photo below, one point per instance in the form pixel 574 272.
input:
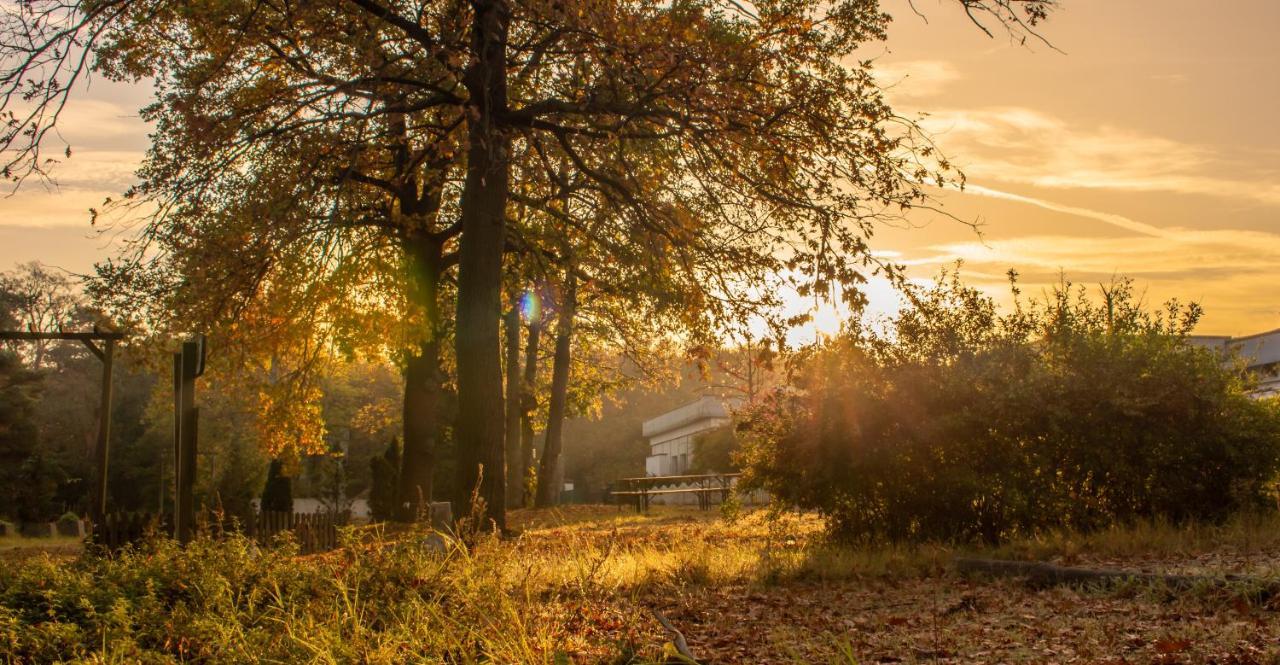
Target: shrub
pixel 959 423
pixel 277 494
pixel 384 491
pixel 69 525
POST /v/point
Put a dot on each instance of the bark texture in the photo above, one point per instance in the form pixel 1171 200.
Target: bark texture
pixel 515 463
pixel 423 379
pixel 549 480
pixel 478 433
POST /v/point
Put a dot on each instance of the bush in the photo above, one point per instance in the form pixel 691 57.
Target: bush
pixel 384 490
pixel 959 423
pixel 277 494
pixel 69 525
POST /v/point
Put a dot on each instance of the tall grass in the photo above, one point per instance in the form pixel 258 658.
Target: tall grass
pixel 230 601
pixel 574 587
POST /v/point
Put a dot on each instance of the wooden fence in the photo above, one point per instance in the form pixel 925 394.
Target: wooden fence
pixel 313 532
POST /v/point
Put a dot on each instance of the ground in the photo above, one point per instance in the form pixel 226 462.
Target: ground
pixel 585 584
pixel 763 591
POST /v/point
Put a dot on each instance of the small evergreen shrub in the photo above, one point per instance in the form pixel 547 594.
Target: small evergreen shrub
pixel 959 423
pixel 69 525
pixel 384 490
pixel 277 495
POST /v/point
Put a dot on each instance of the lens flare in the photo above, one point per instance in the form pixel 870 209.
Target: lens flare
pixel 530 306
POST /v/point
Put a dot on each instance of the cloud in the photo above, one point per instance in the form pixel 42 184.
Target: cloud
pixel 88 171
pixel 1024 146
pixel 98 122
pixel 1231 271
pixel 915 79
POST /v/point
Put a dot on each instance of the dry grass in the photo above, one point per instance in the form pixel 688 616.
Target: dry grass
pixel 578 585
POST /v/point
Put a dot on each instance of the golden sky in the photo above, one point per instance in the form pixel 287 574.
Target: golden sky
pixel 1144 146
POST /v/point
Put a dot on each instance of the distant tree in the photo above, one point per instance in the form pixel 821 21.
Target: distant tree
pixel 240 464
pixel 384 500
pixel 714 451
pixel 26 479
pixel 37 482
pixel 277 495
pixel 39 299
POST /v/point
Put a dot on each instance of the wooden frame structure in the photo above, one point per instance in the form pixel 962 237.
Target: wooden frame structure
pixel 105 353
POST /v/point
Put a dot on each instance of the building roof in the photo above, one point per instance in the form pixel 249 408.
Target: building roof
pixel 703 408
pixel 1258 350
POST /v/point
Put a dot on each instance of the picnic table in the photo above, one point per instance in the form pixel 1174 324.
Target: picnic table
pixel 704 487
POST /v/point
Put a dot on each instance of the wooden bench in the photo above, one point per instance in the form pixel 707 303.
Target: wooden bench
pixel 704 487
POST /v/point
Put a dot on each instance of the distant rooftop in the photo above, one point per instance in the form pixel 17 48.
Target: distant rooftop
pixel 1261 352
pixel 701 409
pixel 1258 350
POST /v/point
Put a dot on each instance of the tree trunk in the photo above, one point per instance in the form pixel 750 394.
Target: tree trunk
pixel 549 482
pixel 528 405
pixel 515 464
pixel 478 433
pixel 423 379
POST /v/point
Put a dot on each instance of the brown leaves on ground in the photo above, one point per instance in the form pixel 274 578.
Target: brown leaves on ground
pixel 953 620
pixel 924 614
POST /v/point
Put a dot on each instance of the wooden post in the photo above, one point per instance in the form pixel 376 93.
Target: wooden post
pixel 189 360
pixel 177 443
pixel 99 509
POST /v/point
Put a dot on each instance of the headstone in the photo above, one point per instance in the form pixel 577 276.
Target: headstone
pixel 441 516
pixel 70 527
pixel 441 523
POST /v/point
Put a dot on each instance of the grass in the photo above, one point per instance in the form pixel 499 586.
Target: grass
pixel 579 585
pixel 14 549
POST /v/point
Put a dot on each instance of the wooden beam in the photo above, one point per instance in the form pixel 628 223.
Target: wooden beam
pixel 80 336
pixel 94 348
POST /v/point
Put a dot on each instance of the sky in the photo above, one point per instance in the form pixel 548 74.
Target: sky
pixel 1142 143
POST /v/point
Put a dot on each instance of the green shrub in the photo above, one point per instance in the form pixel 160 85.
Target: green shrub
pixel 959 423
pixel 277 494
pixel 384 490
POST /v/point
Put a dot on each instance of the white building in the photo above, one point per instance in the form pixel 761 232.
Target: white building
pixel 671 435
pixel 1261 353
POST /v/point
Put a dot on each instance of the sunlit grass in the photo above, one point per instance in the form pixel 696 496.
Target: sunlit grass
pixel 10 542
pixel 575 583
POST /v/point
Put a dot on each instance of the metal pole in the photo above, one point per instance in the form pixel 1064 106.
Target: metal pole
pixel 99 508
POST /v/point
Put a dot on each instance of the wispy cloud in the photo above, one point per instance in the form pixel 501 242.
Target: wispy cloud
pixel 1025 146
pixel 915 79
pixel 1232 271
